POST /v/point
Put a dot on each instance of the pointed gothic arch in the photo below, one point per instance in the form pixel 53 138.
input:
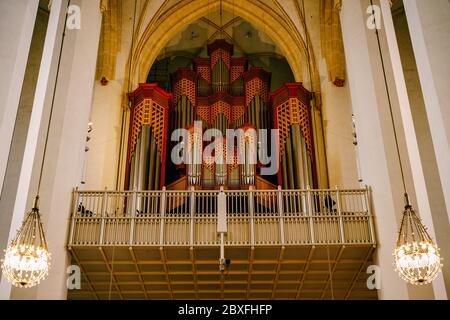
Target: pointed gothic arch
pixel 163 27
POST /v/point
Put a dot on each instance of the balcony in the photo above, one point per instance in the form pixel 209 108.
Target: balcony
pixel 277 244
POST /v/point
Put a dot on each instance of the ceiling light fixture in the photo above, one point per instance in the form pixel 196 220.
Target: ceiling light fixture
pixel 27 259
pixel 416 256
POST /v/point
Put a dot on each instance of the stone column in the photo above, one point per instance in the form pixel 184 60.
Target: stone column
pixel 379 164
pixel 44 87
pixel 429 27
pixel 17 20
pixel 66 153
pixel 418 175
pixel 63 167
pixel 20 123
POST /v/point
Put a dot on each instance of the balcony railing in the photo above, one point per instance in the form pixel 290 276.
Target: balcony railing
pixel 190 218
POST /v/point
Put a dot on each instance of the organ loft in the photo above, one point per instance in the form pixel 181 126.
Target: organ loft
pixel 221 92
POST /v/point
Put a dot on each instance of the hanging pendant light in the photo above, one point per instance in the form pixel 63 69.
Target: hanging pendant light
pixel 416 256
pixel 27 260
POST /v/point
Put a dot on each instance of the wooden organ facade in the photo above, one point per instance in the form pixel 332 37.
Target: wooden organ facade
pixel 222 93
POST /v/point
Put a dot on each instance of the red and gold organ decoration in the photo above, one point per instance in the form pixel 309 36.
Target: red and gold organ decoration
pixel 220 92
pixel 147 142
pixel 292 117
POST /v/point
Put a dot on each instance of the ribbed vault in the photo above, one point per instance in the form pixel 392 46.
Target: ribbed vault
pixel 169 23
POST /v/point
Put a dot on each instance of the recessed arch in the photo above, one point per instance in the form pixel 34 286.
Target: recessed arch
pixel 170 20
pixel 162 29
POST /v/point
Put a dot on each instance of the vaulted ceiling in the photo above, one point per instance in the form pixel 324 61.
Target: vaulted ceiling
pixel 248 41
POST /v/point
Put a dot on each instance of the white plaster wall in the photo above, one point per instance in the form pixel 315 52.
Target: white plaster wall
pixel 102 160
pixel 103 155
pixel 341 153
pixel 336 112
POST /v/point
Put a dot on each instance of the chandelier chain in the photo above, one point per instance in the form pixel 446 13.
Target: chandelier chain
pixel 390 107
pixel 47 135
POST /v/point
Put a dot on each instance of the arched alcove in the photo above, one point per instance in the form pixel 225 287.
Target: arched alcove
pixel 248 41
pixel 153 34
pixel 163 28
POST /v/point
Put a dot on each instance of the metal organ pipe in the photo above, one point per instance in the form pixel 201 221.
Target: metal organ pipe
pixel 290 167
pixel 221 167
pixel 250 165
pixel 257 112
pixel 197 162
pixel 284 173
pixel 201 90
pixel 157 172
pixel 144 157
pixel 152 163
pixel 137 155
pixel 132 169
pixel 307 171
pixel 297 156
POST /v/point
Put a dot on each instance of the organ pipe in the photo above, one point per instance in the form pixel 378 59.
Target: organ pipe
pixel 293 118
pixel 220 77
pixel 222 93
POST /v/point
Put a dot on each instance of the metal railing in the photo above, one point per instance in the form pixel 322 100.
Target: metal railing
pixel 253 217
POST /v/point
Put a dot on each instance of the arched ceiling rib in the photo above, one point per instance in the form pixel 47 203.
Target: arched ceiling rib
pixel 172 16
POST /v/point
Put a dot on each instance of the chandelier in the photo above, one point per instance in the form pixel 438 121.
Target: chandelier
pixel 27 259
pixel 417 258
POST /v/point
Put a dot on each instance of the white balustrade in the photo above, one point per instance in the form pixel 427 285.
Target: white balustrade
pixel 189 218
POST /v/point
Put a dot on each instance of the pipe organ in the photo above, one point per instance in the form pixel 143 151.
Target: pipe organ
pixel 292 117
pixel 147 141
pixel 221 93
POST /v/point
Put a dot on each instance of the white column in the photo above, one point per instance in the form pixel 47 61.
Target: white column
pixel 375 148
pixel 63 168
pixel 429 27
pixel 43 87
pixel 17 20
pixel 421 192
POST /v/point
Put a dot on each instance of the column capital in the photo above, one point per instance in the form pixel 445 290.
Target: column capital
pixel 338 5
pixel 103 6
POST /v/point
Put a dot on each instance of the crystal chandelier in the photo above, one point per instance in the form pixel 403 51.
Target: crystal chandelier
pixel 27 259
pixel 417 258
